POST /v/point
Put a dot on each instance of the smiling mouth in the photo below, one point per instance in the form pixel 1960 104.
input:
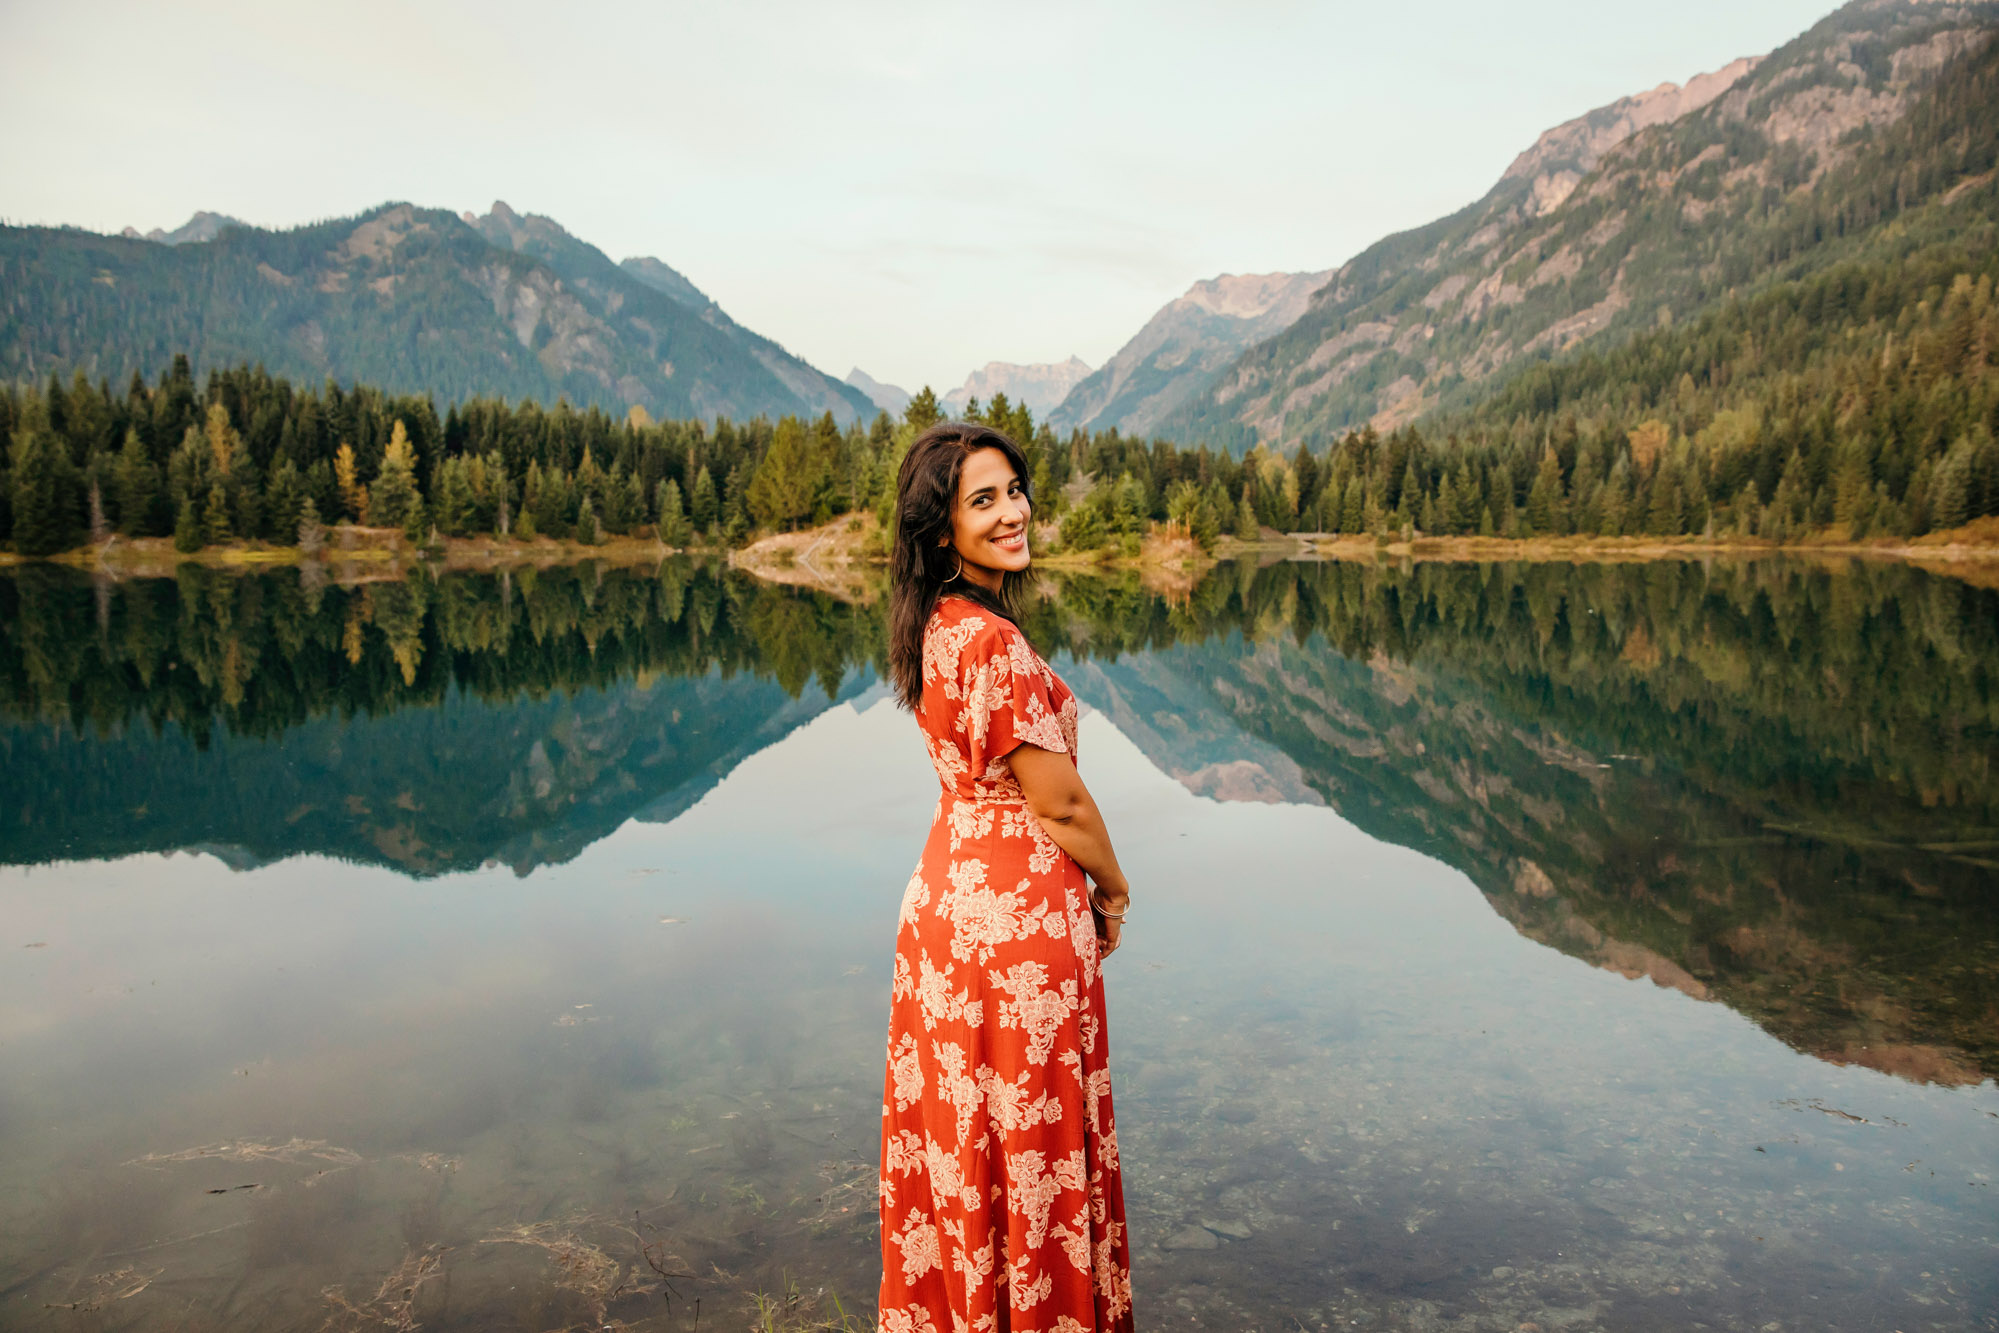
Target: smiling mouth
pixel 1013 542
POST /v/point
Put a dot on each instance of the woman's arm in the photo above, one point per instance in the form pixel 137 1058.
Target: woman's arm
pixel 1058 798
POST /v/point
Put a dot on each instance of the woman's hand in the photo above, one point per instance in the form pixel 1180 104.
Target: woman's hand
pixel 1107 933
pixel 1062 804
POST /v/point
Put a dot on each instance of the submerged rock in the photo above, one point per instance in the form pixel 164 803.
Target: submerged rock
pixel 1191 1238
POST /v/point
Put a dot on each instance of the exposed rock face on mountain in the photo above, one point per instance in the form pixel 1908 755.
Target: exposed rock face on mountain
pixel 890 398
pixel 1041 386
pixel 203 226
pixel 1641 213
pixel 412 299
pixel 1561 157
pixel 1181 348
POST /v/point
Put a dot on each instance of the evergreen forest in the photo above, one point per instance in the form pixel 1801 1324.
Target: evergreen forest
pixel 1858 404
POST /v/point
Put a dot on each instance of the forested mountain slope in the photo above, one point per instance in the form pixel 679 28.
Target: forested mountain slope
pixel 414 300
pixel 1771 171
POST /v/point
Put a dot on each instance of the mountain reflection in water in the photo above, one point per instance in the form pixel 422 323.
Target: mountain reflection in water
pixel 1764 785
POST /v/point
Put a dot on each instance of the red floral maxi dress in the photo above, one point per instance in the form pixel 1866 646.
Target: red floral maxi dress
pixel 1002 1208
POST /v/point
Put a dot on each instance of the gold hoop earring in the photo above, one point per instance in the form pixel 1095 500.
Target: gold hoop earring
pixel 957 573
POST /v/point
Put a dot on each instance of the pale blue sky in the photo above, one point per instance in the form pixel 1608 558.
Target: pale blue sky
pixel 913 188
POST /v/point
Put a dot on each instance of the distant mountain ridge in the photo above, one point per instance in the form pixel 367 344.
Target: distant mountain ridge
pixel 1040 386
pixel 1640 214
pixel 1181 347
pixel 203 226
pixel 412 299
pixel 890 398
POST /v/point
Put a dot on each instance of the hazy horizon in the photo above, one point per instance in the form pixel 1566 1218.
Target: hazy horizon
pixel 911 191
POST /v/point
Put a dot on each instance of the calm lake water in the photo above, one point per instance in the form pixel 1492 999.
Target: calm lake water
pixel 1545 947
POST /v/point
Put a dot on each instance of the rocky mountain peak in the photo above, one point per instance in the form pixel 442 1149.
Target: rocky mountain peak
pixel 1631 217
pixel 1253 295
pixel 1041 386
pixel 1562 156
pixel 203 226
pixel 1177 352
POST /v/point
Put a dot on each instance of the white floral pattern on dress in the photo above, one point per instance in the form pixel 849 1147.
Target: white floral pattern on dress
pixel 1001 1200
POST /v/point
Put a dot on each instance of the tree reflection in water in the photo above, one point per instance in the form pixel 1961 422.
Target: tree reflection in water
pixel 1764 782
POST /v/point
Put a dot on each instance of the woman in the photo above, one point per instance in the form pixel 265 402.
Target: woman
pixel 1002 1208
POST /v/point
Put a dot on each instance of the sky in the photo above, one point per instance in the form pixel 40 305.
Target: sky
pixel 915 189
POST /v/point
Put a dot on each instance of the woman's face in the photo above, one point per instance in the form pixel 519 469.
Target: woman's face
pixel 989 519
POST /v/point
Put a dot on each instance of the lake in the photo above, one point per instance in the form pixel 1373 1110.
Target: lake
pixel 1608 946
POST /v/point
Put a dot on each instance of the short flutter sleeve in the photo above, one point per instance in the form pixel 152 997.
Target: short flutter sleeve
pixel 986 693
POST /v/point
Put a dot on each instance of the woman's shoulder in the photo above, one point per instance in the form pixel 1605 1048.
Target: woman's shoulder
pixel 972 622
pixel 961 630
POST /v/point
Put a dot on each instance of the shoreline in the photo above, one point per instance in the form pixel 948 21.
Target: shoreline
pixel 836 557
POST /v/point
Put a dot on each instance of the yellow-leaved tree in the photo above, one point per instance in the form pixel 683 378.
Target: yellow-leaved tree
pixel 353 495
pixel 222 438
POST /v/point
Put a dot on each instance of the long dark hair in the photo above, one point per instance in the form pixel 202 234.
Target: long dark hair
pixel 921 570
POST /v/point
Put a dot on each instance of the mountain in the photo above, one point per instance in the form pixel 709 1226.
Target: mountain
pixel 1181 348
pixel 584 264
pixel 203 226
pixel 1040 386
pixel 412 299
pixel 890 398
pixel 1635 217
pixel 661 278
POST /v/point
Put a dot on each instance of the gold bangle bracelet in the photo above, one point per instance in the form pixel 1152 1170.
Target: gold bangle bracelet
pixel 1098 908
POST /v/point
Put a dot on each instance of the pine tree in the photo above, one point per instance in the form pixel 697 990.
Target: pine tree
pixel 1665 514
pixel 44 485
pixel 1747 511
pixel 393 497
pixel 1853 488
pixel 631 503
pixel 735 510
pixel 1245 517
pixel 702 504
pixel 187 529
pixel 311 532
pixel 673 526
pixel 1950 488
pixel 457 505
pixel 215 516
pixel 135 488
pixel 246 498
pixel 786 485
pixel 921 414
pixel 1544 498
